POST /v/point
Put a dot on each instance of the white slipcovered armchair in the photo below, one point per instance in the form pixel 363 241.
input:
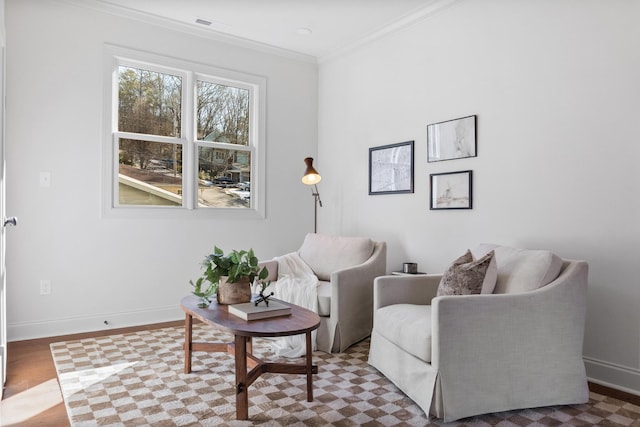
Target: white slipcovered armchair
pixel 462 355
pixel 346 268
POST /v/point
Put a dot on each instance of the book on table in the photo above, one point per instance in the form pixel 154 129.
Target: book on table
pixel 250 311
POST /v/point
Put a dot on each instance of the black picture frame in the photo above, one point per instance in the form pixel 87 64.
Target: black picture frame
pixel 451 190
pixel 391 168
pixel 452 139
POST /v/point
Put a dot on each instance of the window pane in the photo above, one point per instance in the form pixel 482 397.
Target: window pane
pixel 224 178
pixel 223 113
pixel 150 173
pixel 149 102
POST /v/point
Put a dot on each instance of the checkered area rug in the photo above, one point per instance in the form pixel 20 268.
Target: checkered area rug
pixel 137 379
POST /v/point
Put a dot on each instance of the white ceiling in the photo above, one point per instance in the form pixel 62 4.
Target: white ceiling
pixel 335 25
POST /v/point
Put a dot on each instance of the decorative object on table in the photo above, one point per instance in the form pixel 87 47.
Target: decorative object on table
pixel 312 177
pixel 234 292
pixel 228 276
pixel 452 139
pixel 391 169
pixel 252 311
pixel 451 190
pixel 261 296
pixel 410 267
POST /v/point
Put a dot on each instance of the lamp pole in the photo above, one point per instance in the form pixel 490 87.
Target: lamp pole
pixel 316 196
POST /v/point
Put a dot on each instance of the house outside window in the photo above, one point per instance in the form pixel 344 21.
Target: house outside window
pixel 182 136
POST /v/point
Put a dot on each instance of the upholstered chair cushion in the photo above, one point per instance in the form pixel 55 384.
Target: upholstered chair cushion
pixel 521 270
pixel 467 276
pixel 408 326
pixel 326 254
pixel 324 298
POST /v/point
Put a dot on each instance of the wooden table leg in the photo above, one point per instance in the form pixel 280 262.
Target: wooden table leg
pixel 242 392
pixel 188 342
pixel 309 369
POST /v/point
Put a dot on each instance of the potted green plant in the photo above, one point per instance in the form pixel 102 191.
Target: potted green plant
pixel 228 276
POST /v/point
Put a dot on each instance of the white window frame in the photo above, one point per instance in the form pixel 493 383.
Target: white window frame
pixel 191 72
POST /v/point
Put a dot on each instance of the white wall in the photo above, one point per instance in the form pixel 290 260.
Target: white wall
pixel 555 86
pixel 131 271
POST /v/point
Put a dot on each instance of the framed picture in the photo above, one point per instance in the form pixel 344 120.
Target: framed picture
pixel 453 139
pixel 391 168
pixel 451 190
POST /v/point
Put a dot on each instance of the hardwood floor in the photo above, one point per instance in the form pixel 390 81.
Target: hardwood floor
pixel 32 396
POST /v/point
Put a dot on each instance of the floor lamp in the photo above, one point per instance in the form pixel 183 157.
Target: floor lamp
pixel 312 177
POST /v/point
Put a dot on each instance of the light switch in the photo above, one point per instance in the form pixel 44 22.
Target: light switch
pixel 45 179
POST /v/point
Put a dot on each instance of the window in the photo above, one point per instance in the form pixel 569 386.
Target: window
pixel 224 151
pixel 182 136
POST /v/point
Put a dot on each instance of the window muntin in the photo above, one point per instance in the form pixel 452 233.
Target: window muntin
pixel 152 121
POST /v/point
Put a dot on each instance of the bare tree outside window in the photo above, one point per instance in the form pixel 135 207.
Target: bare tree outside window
pixel 149 102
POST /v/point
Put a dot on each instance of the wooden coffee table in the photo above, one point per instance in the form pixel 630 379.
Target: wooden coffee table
pixel 249 367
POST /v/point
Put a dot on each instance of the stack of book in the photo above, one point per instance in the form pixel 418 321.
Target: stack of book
pixel 250 311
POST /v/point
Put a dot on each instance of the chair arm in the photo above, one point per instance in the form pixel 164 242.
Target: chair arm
pixel 352 299
pixel 354 285
pixel 420 289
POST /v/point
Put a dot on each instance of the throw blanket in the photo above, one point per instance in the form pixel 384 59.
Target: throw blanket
pixel 298 285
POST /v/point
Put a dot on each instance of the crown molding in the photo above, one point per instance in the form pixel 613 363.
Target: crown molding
pixel 419 14
pixel 182 27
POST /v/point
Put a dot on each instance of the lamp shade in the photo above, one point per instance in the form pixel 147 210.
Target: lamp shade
pixel 311 176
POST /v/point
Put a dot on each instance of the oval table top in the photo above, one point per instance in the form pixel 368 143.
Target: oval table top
pixel 300 321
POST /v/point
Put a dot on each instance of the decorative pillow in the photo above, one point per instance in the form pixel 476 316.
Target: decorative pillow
pixel 466 276
pixel 491 277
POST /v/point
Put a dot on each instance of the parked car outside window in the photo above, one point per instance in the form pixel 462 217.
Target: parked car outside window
pixel 223 181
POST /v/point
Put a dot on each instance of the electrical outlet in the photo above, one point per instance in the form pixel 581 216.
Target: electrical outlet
pixel 45 287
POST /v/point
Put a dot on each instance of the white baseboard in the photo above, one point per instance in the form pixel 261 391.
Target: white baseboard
pixel 75 325
pixel 614 376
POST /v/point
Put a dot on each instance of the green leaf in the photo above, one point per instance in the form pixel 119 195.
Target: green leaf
pixel 263 273
pixel 253 261
pixel 233 273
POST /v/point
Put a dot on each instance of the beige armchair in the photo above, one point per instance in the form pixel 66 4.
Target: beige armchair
pixel 346 268
pixel 462 355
